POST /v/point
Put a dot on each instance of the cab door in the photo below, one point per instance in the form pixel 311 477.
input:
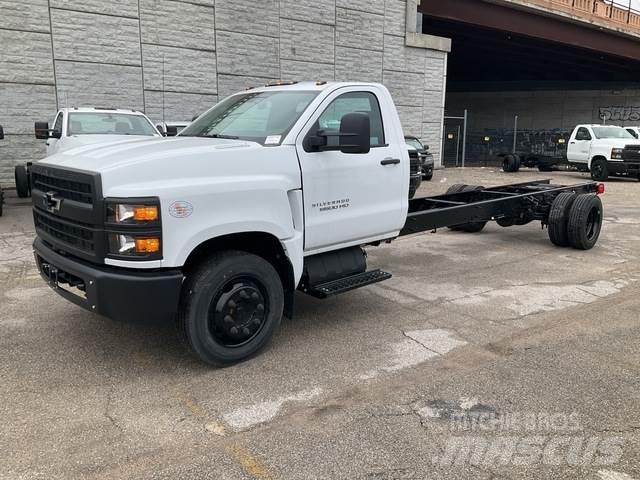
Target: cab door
pixel 579 149
pixel 354 197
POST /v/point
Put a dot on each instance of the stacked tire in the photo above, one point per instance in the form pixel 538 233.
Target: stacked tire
pixel 575 220
pixel 511 163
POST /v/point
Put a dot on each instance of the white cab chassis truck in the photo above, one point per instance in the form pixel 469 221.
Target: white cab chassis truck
pixel 603 150
pixel 272 190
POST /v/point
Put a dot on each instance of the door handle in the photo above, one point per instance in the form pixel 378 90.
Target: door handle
pixel 390 161
pixel 572 143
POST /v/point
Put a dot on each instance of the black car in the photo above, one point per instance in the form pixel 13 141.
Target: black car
pixel 415 171
pixel 425 156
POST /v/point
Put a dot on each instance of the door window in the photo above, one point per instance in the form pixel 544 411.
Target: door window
pixel 57 125
pixel 583 134
pixel 353 102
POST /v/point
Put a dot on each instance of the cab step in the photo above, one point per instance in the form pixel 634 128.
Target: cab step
pixel 346 284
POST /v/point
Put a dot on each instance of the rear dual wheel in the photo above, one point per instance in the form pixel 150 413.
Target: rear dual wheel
pixel 472 227
pixel 511 163
pixel 575 220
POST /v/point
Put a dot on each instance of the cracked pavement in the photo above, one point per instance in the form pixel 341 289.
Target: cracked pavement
pixel 368 385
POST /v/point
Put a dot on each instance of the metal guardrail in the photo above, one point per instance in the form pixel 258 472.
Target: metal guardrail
pixel 619 12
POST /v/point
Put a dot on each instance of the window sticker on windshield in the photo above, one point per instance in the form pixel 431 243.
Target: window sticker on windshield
pixel 272 140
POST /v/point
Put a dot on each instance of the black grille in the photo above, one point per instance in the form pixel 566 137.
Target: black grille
pixel 70 189
pixel 415 163
pixel 631 152
pixel 74 235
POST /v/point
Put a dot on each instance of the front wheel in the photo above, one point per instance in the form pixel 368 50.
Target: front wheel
pixel 21 176
pixel 230 308
pixel 599 170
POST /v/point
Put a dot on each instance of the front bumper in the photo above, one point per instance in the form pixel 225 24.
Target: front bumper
pixel 116 293
pixel 629 167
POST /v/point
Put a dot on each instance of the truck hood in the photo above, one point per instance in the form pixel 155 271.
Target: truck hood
pixel 106 157
pixel 161 166
pixel 615 142
pixel 76 141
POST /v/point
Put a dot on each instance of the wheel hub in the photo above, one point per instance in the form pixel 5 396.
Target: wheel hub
pixel 239 313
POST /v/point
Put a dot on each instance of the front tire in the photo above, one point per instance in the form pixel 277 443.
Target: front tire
pixel 231 306
pixel 599 170
pixel 22 181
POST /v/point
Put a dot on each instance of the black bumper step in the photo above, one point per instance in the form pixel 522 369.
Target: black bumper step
pixel 346 284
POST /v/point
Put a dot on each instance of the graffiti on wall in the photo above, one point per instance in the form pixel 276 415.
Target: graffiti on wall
pixel 620 114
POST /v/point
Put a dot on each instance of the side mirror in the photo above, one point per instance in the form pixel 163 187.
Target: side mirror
pixel 355 133
pixel 42 130
pixel 171 131
pixel 1 133
pixel 354 136
pixel 161 130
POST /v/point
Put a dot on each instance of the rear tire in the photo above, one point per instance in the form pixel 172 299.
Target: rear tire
pixel 585 221
pixel 599 170
pixel 511 163
pixel 559 217
pixel 472 227
pixel 22 181
pixel 231 306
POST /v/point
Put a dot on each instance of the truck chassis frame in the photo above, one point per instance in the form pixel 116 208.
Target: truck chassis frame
pixel 520 203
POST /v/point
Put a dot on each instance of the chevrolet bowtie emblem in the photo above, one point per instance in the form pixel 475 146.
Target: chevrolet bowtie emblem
pixel 51 202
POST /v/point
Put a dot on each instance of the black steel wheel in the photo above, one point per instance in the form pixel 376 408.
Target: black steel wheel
pixel 599 170
pixel 585 221
pixel 22 181
pixel 559 218
pixel 231 306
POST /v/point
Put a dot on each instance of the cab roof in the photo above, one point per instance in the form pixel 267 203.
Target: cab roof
pixel 101 110
pixel 305 86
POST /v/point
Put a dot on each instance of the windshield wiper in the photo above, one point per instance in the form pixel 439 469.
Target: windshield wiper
pixel 220 135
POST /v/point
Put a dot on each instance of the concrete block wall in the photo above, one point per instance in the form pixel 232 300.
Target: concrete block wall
pixel 182 56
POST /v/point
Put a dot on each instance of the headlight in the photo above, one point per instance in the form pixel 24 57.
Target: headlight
pixel 134 229
pixel 133 213
pixel 616 153
pixel 133 245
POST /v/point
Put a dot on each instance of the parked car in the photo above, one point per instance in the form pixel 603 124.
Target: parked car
pixel 75 127
pixel 171 129
pixel 426 158
pixel 415 171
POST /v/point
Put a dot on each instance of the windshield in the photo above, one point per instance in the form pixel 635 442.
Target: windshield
pixel 611 132
pixel 101 123
pixel 414 142
pixel 263 117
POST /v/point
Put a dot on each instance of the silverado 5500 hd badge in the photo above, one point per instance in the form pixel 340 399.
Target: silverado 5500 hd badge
pixel 332 205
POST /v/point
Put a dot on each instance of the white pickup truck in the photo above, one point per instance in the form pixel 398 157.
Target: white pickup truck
pixel 600 149
pixel 82 126
pixel 273 190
